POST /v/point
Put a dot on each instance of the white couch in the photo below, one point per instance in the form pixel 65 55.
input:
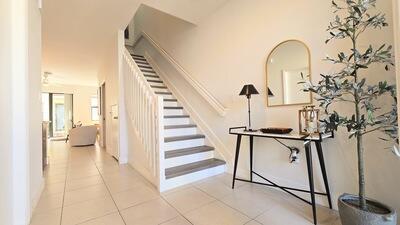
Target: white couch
pixel 83 136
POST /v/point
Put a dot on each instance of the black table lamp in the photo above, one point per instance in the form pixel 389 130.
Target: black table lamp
pixel 249 90
pixel 270 94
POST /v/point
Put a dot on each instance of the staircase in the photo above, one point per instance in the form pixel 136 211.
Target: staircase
pixel 186 154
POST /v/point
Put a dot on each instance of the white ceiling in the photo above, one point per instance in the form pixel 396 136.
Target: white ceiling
pixel 76 33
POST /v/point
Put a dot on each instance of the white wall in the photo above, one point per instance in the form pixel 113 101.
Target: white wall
pixel 230 48
pixel 81 99
pixel 20 55
pixel 108 73
pixel 5 100
pixel 34 101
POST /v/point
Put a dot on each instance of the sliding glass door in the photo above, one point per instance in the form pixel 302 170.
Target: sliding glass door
pixel 58 111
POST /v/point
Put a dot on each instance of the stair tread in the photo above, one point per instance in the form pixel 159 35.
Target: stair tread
pixel 163 93
pixel 142 61
pixel 170 100
pixel 140 56
pixel 179 126
pixel 159 87
pixel 176 116
pixel 144 66
pixel 155 81
pixel 187 151
pixel 139 59
pixel 173 107
pixel 192 167
pixel 152 76
pixel 147 70
pixel 184 138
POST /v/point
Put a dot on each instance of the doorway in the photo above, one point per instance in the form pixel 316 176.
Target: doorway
pixel 57 110
pixel 102 101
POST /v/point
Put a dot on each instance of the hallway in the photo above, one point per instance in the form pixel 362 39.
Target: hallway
pixel 87 186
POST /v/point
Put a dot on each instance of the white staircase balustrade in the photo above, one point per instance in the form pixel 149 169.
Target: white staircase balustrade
pixel 175 150
pixel 145 111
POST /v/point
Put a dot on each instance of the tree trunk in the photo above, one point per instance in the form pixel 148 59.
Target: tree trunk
pixel 361 172
pixel 360 148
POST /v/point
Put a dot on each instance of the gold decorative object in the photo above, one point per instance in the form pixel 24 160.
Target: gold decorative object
pixel 309 120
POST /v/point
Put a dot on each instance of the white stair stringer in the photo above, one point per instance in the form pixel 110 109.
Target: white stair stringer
pixel 188 158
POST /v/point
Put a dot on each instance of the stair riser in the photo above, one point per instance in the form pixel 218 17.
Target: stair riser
pixel 176 121
pixel 178 161
pixel 161 89
pixel 183 144
pixel 169 112
pixel 171 104
pixel 151 74
pixel 154 78
pixel 192 177
pixel 153 82
pixel 167 96
pixel 180 132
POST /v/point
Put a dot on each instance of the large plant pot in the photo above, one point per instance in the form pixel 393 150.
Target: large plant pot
pixel 352 215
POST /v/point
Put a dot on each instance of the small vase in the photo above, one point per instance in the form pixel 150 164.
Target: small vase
pixel 352 215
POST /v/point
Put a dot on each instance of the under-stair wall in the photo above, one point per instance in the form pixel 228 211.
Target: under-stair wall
pixel 205 116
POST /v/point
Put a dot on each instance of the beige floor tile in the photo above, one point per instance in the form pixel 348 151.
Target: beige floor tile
pixel 119 185
pixel 55 179
pixel 83 182
pixel 134 196
pixel 281 215
pixel 82 174
pixel 252 202
pixel 188 199
pixel 150 213
pixel 55 171
pixel 216 213
pixel 226 178
pixel 114 169
pixel 50 217
pixel 111 219
pixel 214 187
pixel 116 176
pixel 49 202
pixel 176 189
pixel 84 194
pixel 84 211
pixel 54 188
pixel 253 222
pixel 177 221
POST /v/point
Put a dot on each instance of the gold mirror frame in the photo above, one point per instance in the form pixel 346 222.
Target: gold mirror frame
pixel 309 66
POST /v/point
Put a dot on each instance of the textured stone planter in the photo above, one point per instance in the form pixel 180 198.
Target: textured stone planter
pixel 351 215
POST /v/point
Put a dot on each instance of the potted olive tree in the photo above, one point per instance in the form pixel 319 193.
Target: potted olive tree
pixel 348 87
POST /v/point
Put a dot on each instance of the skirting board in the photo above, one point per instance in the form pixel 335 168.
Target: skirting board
pixel 36 197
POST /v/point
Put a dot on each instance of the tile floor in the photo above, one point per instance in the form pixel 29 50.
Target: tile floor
pixel 87 186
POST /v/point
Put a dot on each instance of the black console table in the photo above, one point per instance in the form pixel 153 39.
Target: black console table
pixel 307 140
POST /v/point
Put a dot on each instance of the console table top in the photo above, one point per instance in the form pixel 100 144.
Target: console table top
pixel 291 136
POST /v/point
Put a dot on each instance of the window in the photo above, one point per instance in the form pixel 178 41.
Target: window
pixel 94 108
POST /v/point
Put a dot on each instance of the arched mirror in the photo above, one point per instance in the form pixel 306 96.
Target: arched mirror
pixel 287 65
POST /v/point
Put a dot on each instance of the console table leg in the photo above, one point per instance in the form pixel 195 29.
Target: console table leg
pixel 311 180
pixel 251 157
pixel 239 139
pixel 318 145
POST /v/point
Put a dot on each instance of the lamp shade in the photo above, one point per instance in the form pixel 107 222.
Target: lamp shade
pixel 248 90
pixel 270 94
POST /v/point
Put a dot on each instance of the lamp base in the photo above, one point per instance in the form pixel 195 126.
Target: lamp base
pixel 250 130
